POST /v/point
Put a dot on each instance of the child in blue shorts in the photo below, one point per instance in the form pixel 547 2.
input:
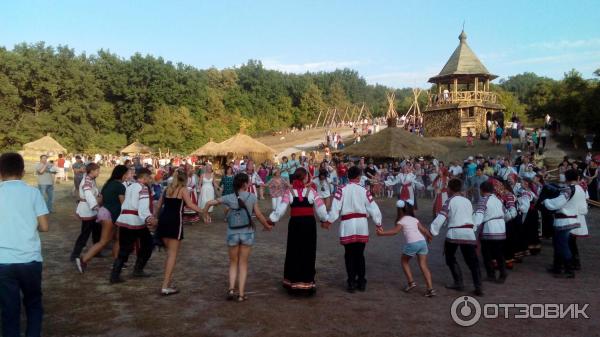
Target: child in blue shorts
pixel 416 236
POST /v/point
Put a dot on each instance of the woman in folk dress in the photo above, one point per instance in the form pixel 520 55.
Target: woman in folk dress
pixel 189 215
pixel 299 269
pixel 254 179
pixel 440 188
pixel 207 192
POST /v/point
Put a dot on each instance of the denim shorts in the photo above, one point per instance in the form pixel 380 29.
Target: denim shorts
pixel 246 239
pixel 414 248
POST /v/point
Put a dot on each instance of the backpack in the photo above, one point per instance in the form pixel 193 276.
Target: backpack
pixel 238 218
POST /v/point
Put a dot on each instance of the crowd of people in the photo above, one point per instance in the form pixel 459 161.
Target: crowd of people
pixel 502 204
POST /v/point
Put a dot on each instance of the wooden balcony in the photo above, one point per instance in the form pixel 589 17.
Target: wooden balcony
pixel 463 97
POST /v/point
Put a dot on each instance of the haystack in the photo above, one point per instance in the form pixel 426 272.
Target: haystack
pixel 137 148
pixel 208 149
pixel 395 142
pixel 244 145
pixel 43 146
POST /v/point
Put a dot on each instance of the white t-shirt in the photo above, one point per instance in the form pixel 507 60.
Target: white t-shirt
pixel 455 170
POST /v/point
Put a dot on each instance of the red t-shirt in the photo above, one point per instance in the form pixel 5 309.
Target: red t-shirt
pixel 61 162
pixel 342 170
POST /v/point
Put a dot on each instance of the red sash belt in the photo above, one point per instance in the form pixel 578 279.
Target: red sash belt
pixel 301 211
pixel 353 216
pixel 129 211
pixel 463 226
pixel 563 216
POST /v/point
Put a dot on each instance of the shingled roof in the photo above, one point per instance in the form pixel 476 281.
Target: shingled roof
pixel 463 62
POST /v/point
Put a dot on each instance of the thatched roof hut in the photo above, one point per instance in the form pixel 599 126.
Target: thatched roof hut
pixel 244 145
pixel 394 143
pixel 137 148
pixel 208 149
pixel 45 145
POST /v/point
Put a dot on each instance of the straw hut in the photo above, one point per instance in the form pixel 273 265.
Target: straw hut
pixel 394 142
pixel 43 146
pixel 137 148
pixel 206 150
pixel 243 145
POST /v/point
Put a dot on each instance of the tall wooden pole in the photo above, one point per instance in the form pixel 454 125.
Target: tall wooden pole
pixel 331 123
pixel 319 117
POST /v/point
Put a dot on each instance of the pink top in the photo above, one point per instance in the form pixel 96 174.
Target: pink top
pixel 410 229
pixel 262 173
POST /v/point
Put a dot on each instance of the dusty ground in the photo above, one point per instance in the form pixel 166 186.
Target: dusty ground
pixel 86 305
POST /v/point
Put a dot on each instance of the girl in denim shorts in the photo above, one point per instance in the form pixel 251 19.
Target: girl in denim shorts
pixel 239 240
pixel 416 236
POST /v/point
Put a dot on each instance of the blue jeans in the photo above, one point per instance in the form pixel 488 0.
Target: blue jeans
pixel 14 279
pixel 48 194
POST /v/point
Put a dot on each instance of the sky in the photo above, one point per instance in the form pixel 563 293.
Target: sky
pixel 396 43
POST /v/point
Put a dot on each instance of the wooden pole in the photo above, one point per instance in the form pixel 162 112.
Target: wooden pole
pixel 455 89
pixel 351 119
pixel 333 117
pixel 360 113
pixel 345 114
pixel 319 117
pixel 326 116
pixel 593 202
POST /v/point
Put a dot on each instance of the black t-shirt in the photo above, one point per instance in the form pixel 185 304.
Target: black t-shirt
pixel 370 172
pixel 110 197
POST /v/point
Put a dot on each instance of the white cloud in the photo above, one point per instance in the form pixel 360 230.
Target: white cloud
pixel 567 44
pixel 567 57
pixel 308 66
pixel 401 79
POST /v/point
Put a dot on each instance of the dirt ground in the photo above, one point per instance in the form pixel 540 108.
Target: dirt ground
pixel 87 305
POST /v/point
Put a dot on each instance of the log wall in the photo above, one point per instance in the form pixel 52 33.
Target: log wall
pixel 442 123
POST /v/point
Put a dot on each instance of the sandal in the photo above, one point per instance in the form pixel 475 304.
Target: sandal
pixel 231 294
pixel 169 291
pixel 430 292
pixel 242 298
pixel 410 286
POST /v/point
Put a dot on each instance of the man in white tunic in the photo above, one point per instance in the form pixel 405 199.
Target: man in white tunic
pixel 353 204
pixel 490 216
pixel 458 214
pixel 567 206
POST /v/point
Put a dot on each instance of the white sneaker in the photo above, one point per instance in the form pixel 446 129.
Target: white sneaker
pixel 80 265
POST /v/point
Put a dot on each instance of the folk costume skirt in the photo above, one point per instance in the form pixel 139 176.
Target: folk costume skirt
pixel 299 270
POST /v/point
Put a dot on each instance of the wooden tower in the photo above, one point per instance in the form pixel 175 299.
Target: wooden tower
pixel 463 100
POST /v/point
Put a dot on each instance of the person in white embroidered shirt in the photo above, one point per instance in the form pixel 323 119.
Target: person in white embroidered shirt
pixel 567 206
pixel 305 203
pixel 457 212
pixel 354 203
pixel 407 182
pixel 136 216
pixel 87 209
pixel 490 216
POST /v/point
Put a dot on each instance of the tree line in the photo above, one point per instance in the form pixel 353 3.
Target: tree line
pixel 101 102
pixel 573 100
